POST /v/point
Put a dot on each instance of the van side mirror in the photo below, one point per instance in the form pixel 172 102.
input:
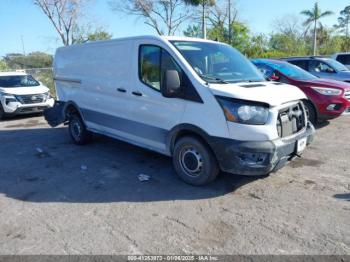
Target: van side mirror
pixel 171 86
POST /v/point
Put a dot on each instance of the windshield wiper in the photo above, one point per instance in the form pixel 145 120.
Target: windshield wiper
pixel 216 79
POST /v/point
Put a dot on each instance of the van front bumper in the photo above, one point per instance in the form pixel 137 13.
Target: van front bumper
pixel 258 157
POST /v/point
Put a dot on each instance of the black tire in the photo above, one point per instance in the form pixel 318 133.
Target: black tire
pixel 194 162
pixel 311 112
pixel 77 130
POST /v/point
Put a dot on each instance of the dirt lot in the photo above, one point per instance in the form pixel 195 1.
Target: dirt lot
pixel 58 198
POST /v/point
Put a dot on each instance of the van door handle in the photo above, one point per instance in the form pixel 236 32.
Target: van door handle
pixel 136 93
pixel 121 90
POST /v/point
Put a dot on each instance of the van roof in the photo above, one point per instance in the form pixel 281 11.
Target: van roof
pixel 149 37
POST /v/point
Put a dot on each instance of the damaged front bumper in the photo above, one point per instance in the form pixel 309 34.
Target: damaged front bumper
pixel 259 157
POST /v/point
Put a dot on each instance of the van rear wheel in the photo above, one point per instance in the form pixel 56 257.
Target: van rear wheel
pixel 194 162
pixel 77 130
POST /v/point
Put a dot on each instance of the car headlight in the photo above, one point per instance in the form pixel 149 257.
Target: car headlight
pixel 327 91
pixel 244 112
pixel 7 95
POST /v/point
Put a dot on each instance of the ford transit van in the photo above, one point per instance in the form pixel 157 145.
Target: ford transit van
pixel 201 102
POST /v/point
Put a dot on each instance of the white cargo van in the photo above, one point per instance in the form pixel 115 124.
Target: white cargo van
pixel 199 101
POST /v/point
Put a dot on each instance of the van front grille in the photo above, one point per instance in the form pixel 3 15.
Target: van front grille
pixel 347 95
pixel 31 99
pixel 291 120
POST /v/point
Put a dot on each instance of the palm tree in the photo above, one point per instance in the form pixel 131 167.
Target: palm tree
pixel 313 16
pixel 204 4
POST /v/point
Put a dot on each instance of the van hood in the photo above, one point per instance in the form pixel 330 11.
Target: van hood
pixel 271 93
pixel 26 90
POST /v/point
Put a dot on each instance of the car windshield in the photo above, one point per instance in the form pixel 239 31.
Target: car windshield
pixel 18 81
pixel 291 71
pixel 218 63
pixel 336 65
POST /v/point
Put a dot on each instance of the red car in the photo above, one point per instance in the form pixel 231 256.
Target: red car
pixel 327 98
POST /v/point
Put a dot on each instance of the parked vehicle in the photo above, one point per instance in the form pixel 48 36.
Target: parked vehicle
pixel 323 67
pixel 343 58
pixel 201 102
pixel 327 98
pixel 20 93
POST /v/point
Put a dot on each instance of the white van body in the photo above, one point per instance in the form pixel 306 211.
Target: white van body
pixel 22 98
pixel 103 83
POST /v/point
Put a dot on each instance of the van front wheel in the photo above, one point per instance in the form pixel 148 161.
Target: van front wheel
pixel 77 130
pixel 194 162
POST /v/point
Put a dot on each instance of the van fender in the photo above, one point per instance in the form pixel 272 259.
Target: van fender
pixel 183 130
pixel 69 105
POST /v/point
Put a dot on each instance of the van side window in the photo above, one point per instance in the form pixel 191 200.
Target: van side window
pixel 154 61
pixel 168 63
pixel 149 65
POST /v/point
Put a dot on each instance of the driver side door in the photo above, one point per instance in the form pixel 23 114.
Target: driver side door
pixel 154 114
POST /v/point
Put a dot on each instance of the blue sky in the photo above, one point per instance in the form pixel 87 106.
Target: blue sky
pixel 21 18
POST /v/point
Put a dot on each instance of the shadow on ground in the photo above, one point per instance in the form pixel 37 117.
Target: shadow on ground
pixel 42 165
pixel 345 196
pixel 322 124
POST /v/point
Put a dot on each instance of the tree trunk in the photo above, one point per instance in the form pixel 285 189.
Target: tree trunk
pixel 229 22
pixel 204 28
pixel 315 38
pixel 347 37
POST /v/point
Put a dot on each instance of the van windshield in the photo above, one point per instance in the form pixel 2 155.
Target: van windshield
pixel 18 81
pixel 218 63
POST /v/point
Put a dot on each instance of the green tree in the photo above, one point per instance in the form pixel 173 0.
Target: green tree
pixel 84 36
pixel 193 31
pixel 204 4
pixel 288 45
pixel 32 60
pixel 343 24
pixel 3 65
pixel 312 17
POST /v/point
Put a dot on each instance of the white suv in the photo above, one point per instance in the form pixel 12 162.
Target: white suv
pixel 20 93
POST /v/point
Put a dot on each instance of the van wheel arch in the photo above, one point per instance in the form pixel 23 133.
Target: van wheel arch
pixel 183 130
pixel 72 109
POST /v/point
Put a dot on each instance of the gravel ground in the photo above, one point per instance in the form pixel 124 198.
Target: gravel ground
pixel 59 198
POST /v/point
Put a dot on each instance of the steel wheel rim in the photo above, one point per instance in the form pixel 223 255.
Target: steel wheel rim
pixel 76 130
pixel 191 161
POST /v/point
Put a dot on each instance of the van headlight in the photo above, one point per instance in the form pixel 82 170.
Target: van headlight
pixel 244 112
pixel 327 91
